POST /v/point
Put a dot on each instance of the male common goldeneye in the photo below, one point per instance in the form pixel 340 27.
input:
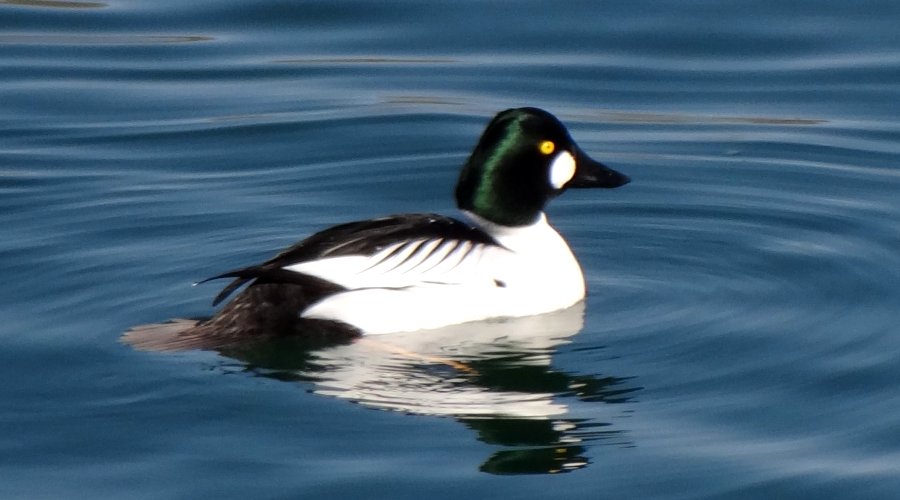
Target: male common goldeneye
pixel 421 271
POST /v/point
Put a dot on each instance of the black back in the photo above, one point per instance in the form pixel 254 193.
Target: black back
pixel 353 238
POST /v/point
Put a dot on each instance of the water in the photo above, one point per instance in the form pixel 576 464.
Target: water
pixel 740 338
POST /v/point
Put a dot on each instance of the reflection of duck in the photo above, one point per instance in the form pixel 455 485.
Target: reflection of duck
pixel 460 370
pixel 493 376
pixel 423 271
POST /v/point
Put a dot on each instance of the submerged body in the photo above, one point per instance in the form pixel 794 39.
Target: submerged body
pixel 423 271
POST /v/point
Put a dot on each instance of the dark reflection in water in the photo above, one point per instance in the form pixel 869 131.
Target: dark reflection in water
pixel 56 4
pixel 494 377
pixel 93 39
pixel 354 60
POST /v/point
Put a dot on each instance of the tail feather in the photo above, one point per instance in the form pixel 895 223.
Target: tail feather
pixel 263 274
pixel 242 276
pixel 269 308
pixel 169 336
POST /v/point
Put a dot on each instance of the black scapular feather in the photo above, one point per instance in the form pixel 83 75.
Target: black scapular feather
pixel 353 238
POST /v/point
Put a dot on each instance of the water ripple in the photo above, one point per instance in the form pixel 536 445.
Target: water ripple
pixel 741 321
pixel 94 39
pixel 56 4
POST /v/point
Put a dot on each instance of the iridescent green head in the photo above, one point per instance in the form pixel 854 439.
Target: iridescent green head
pixel 524 158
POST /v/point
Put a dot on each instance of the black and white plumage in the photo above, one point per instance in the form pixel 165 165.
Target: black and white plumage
pixel 422 271
pixel 411 238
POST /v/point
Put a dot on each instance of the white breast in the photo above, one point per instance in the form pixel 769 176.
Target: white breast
pixel 424 284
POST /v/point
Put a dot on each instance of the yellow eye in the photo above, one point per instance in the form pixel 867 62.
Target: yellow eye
pixel 547 147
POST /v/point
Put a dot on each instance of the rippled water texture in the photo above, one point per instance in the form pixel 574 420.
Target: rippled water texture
pixel 740 336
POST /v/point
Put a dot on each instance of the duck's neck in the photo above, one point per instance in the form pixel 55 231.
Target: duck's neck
pixel 516 237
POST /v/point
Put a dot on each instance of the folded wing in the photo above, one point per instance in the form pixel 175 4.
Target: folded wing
pixel 391 252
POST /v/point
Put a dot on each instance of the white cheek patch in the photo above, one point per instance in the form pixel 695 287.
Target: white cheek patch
pixel 562 169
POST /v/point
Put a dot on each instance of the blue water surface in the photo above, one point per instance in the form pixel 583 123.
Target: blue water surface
pixel 740 338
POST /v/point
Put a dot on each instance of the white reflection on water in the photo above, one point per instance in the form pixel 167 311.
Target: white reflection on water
pixel 426 372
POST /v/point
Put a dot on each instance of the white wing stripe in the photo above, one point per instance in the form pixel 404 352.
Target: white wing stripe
pixel 412 263
pixel 438 255
pixel 393 256
pixel 422 253
pixel 453 258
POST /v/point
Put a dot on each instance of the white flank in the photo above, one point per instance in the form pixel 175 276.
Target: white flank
pixel 434 283
pixel 562 169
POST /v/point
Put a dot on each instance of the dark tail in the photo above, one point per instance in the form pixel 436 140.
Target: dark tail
pixel 269 308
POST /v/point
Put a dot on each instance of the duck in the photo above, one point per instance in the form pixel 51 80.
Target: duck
pixel 422 271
